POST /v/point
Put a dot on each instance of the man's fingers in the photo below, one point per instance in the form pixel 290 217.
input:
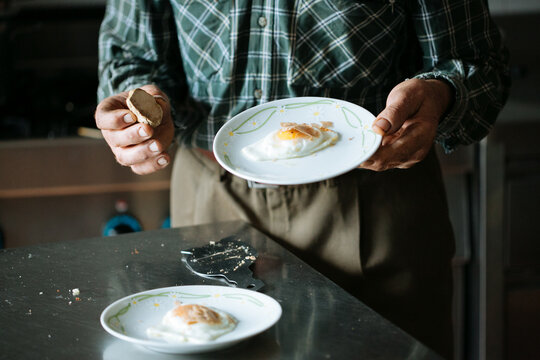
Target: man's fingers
pixel 389 120
pixel 112 113
pixel 134 144
pixel 151 165
pixel 132 155
pixel 388 157
pixel 403 101
pixel 131 135
pixel 114 119
pixel 405 150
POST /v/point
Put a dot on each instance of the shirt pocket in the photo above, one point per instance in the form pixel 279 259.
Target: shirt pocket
pixel 342 44
pixel 204 32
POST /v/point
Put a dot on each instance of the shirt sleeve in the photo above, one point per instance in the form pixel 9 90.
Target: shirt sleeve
pixel 462 46
pixel 137 46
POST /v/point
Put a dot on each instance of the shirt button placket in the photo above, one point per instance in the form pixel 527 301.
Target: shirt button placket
pixel 262 21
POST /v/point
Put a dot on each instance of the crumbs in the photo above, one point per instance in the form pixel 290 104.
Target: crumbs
pixel 74 295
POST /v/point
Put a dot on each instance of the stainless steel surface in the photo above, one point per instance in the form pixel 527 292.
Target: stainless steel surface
pixel 457 169
pixel 489 247
pixel 42 319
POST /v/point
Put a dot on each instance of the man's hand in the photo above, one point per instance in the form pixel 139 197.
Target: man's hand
pixel 134 144
pixel 409 122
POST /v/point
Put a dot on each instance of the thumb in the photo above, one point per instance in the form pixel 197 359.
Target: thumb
pixel 400 105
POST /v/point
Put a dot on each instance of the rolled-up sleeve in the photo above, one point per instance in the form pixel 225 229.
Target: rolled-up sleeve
pixel 462 46
pixel 137 46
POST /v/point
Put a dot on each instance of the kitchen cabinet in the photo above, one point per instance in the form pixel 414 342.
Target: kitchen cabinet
pixel 63 189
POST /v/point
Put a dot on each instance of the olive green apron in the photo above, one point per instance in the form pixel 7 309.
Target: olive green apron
pixel 383 236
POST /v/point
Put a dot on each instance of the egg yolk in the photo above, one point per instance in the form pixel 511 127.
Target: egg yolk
pixel 290 134
pixel 193 314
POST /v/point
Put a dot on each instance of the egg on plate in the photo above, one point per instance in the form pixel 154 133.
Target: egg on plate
pixel 192 323
pixel 292 140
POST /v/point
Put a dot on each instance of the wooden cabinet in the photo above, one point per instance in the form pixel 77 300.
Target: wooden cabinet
pixel 64 189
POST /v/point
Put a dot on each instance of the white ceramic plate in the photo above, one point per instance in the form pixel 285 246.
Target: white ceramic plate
pixel 129 317
pixel 353 123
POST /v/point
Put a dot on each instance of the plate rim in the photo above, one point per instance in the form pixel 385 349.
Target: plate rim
pixel 249 177
pixel 189 347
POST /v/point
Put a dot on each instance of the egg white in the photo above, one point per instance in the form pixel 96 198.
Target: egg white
pixel 271 147
pixel 174 329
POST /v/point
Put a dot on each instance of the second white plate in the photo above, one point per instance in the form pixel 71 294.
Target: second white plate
pixel 353 123
pixel 129 317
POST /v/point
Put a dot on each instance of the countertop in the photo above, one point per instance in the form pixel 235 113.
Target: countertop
pixel 42 318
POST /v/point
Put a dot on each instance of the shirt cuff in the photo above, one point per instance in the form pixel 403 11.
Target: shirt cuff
pixel 449 126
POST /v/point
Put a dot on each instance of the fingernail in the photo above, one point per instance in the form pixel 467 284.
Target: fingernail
pixel 128 118
pixel 153 146
pixel 383 124
pixel 368 163
pixel 162 161
pixel 143 132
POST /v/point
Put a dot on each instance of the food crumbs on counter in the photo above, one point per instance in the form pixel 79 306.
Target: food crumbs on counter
pixel 135 251
pixel 69 303
pixel 49 336
pixel 41 293
pixel 75 291
pixel 29 256
pixel 162 245
pixel 29 312
pixel 77 299
pixel 57 290
pixel 212 243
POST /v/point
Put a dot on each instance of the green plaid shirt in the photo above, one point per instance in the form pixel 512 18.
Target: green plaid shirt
pixel 216 58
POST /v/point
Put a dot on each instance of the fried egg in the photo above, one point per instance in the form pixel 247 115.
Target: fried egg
pixel 292 140
pixel 192 323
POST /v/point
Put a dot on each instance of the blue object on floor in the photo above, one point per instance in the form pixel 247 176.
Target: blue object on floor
pixel 121 224
pixel 166 223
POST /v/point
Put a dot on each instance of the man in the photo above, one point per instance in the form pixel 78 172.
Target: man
pixel 430 70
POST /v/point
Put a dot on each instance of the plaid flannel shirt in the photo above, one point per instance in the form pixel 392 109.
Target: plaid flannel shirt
pixel 216 58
